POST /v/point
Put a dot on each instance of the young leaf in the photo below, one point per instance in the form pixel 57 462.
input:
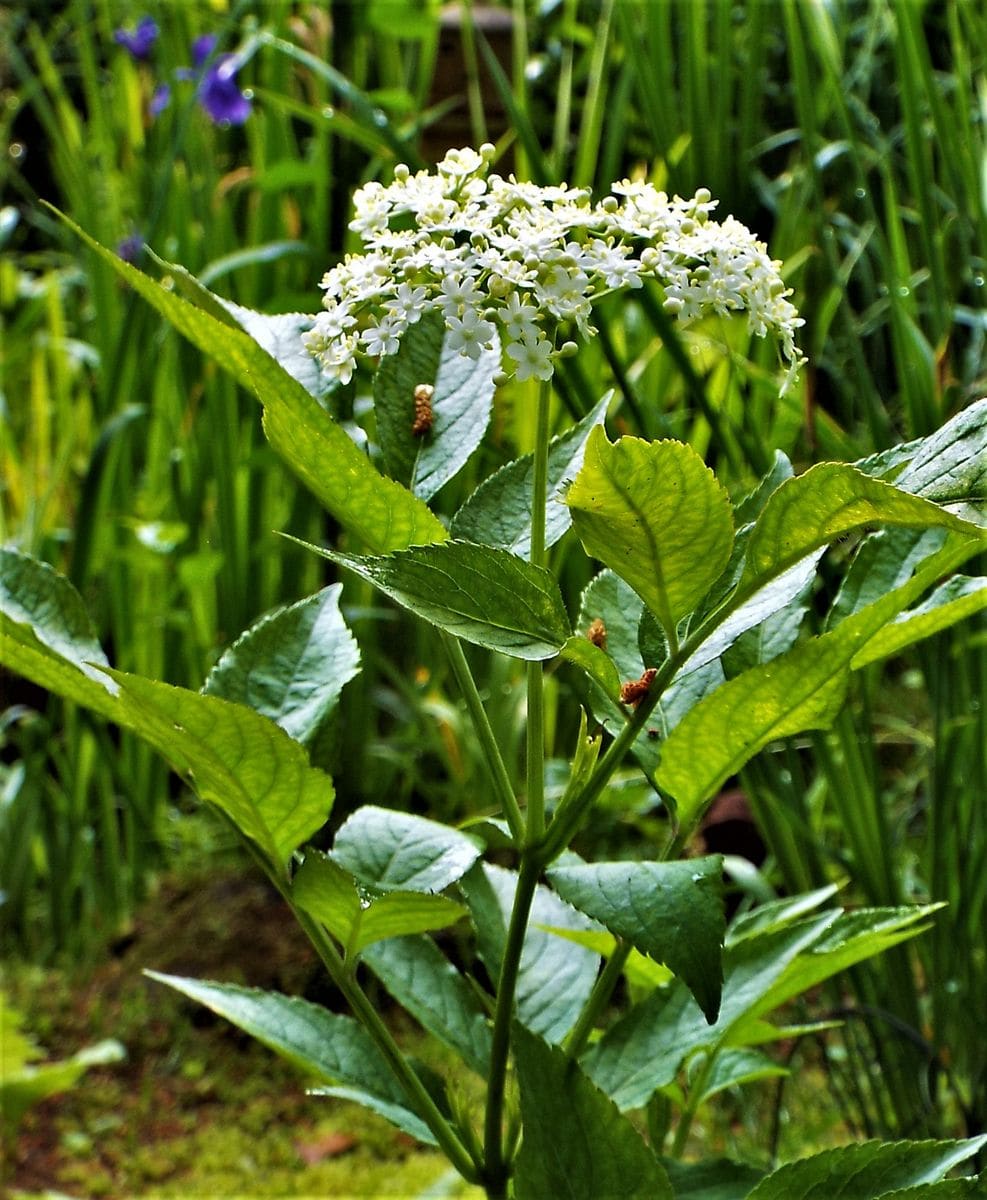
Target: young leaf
pixel 461 405
pixel 555 977
pixel 499 512
pixel 425 983
pixel 385 515
pixel 596 663
pixel 292 665
pixel 866 1171
pixel 46 635
pixel 235 760
pixel 736 1067
pixel 334 1048
pixel 655 514
pixel 397 851
pixel 488 597
pixel 672 911
pixel 829 500
pixel 576 1142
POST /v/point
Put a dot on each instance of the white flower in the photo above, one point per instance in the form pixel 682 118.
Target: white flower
pixel 533 357
pixel 469 334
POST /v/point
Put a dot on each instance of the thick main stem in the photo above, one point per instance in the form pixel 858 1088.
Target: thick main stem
pixel 535 738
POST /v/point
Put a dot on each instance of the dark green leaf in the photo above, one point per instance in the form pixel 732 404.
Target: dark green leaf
pixel 576 1143
pixel 655 514
pixel 672 911
pixel 488 597
pixel 461 406
pixel 397 851
pixel 499 511
pixel 866 1171
pixel 334 1048
pixel 733 1068
pixel 423 981
pixel 555 977
pixel 716 1180
pixel 292 665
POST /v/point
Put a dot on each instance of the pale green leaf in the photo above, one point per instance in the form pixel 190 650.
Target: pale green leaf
pixel 956 600
pixel 555 978
pixel 397 851
pixel 291 665
pixel 485 596
pixel 46 635
pixel 461 406
pixel 595 662
pixel 383 513
pixel 331 1047
pixel 671 911
pixel 865 1171
pixel 655 514
pixel 234 759
pixel 499 512
pixel 426 984
pixel 576 1142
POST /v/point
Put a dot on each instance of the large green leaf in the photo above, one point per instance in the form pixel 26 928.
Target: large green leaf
pixel 499 512
pixel 866 1171
pixel 555 977
pixel 292 665
pixel 383 513
pixel 396 851
pixel 485 596
pixel 358 919
pixel 426 984
pixel 828 501
pixel 719 1179
pixel 801 690
pixel 331 1047
pixel 655 514
pixel 461 403
pixel 46 635
pixel 672 911
pixel 576 1142
pixel 234 759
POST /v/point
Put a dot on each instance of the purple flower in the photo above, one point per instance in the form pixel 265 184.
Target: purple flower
pixel 131 248
pixel 139 43
pixel 159 101
pixel 219 95
pixel 202 47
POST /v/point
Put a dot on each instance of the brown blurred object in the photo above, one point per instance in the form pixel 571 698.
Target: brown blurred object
pixel 450 81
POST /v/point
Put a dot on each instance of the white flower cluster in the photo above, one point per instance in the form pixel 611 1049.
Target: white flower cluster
pixel 497 256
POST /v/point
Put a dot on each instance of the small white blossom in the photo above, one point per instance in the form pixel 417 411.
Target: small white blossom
pixel 509 261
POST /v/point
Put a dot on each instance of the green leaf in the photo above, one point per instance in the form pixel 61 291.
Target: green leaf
pixel 866 1171
pixel 46 635
pixel 334 1048
pixel 485 596
pixel 235 759
pixel 385 515
pixel 499 512
pixel 946 1189
pixel 328 893
pixel 397 851
pixel 291 665
pixel 957 599
pixel 423 981
pixel 596 663
pixel 884 561
pixel 555 977
pixel 719 1179
pixel 576 1142
pixel 803 689
pixel 461 406
pixel 828 501
pixel 774 914
pixel 655 514
pixel 280 334
pixel 672 911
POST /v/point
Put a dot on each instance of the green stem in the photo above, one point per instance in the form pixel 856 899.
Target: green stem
pixel 481 723
pixel 696 1093
pixel 497 1168
pixel 535 744
pixel 599 997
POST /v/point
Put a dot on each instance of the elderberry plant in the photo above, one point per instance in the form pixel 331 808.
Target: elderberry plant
pixel 691 651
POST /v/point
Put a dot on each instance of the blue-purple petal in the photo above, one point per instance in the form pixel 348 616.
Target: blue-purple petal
pixel 140 42
pixel 160 100
pixel 220 96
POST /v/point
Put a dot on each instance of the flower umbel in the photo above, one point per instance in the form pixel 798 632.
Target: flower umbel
pixel 501 258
